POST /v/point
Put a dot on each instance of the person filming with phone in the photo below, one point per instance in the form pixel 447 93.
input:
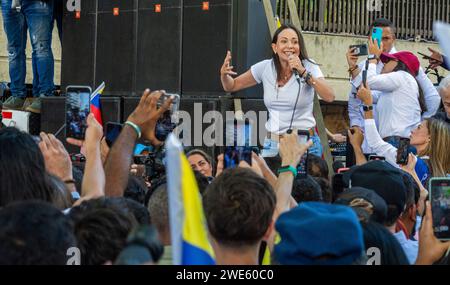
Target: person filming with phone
pixel 431 138
pixel 384 31
pixel 290 79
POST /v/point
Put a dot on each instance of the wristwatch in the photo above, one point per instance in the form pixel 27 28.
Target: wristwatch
pixel 367 108
pixel 372 56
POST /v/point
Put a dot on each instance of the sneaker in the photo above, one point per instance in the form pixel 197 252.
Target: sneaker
pixel 15 103
pixel 35 107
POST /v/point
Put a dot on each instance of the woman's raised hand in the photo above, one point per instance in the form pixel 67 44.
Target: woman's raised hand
pixel 227 69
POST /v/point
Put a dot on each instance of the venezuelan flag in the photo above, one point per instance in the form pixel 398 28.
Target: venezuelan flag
pixel 96 107
pixel 190 245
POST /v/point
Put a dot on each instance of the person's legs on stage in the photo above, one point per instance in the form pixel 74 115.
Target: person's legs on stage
pixel 15 28
pixel 39 16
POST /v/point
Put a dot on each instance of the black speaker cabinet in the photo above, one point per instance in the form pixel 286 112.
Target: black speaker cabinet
pixel 159 45
pixel 79 45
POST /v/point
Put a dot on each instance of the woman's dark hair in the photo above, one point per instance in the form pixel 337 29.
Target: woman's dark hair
pixel 377 236
pixel 301 42
pixel 22 169
pixel 402 67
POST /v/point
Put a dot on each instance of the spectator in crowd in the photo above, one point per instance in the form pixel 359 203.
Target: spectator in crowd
pixel 355 107
pixel 37 16
pixel 431 139
pixel 101 228
pixel 444 91
pixel 34 233
pixel 237 225
pixel 22 170
pixel 319 234
pixel 411 216
pixel 399 104
pixel 388 183
pixel 158 206
pixel 372 206
pixel 317 167
pixel 325 186
pixel 306 189
pixel 377 237
pixel 281 87
pixel 201 162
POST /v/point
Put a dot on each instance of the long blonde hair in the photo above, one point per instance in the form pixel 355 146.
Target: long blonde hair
pixel 439 147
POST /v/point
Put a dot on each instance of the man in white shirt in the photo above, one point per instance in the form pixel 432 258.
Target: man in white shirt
pixel 355 111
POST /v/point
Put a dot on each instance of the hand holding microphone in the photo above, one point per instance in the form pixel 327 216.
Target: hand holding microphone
pixel 296 66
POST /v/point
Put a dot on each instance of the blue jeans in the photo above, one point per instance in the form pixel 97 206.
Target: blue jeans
pixel 271 147
pixel 36 16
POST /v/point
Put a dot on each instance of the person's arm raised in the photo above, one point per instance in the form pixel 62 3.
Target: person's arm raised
pixel 356 138
pixel 119 159
pixel 231 84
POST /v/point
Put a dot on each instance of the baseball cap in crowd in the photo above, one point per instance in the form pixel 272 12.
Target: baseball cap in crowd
pixel 383 178
pixel 320 234
pixel 379 207
pixel 408 58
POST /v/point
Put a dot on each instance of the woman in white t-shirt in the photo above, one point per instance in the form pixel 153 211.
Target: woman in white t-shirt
pixel 281 87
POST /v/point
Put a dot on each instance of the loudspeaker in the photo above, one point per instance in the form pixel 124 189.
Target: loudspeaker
pixel 79 46
pixel 115 48
pixel 159 45
pixel 53 116
pixel 260 112
pixel 213 27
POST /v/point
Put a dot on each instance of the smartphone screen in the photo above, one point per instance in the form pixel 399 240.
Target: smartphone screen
pixel 241 146
pixel 377 34
pixel 440 206
pixel 302 168
pixel 112 132
pixel 77 111
pixel 402 151
pixel 167 123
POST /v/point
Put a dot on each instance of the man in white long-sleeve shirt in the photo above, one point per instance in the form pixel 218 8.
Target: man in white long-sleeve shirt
pixel 355 110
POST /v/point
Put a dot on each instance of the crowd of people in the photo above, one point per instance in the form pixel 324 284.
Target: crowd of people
pixel 105 211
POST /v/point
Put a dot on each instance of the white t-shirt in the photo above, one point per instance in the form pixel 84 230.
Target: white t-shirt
pixel 280 101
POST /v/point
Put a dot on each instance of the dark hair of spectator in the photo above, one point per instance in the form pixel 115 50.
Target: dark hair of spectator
pixel 239 206
pixel 306 189
pixel 22 169
pixel 34 233
pixel 101 228
pixel 327 193
pixel 317 167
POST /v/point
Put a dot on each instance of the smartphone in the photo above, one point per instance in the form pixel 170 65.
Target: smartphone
pixel 427 57
pixel 377 34
pixel 77 111
pixel 364 78
pixel 238 146
pixel 360 50
pixel 403 151
pixel 112 132
pixel 167 123
pixel 302 167
pixel 439 191
pixel 376 157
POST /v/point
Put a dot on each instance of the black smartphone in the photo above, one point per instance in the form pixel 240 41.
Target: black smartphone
pixel 77 111
pixel 439 188
pixel 302 167
pixel 364 78
pixel 376 157
pixel 241 147
pixel 427 57
pixel 360 50
pixel 167 123
pixel 112 132
pixel 403 151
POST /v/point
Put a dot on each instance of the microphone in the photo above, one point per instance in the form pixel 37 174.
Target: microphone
pixel 295 71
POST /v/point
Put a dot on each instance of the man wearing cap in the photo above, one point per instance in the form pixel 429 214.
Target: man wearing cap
pixel 387 182
pixel 315 233
pixel 356 113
